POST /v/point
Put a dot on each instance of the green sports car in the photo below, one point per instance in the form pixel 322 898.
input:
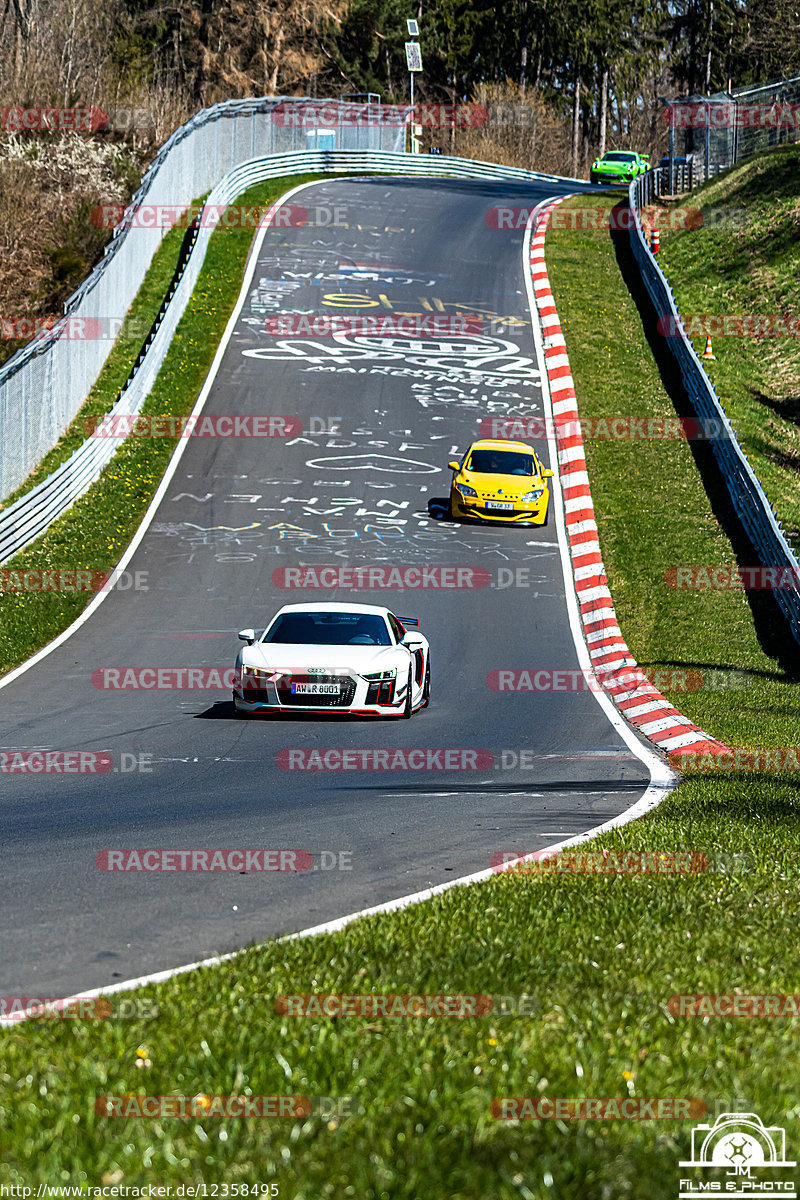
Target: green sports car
pixel 619 166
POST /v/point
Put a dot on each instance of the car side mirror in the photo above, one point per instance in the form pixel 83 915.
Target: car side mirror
pixel 247 635
pixel 452 466
pixel 411 640
pixel 547 473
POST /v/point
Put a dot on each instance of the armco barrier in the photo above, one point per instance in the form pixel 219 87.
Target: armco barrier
pixel 45 383
pixel 31 515
pixel 747 495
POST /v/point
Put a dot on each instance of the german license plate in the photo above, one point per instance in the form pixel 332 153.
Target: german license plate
pixel 315 689
pixel 497 504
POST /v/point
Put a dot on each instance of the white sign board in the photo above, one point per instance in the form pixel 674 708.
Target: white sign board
pixel 413 56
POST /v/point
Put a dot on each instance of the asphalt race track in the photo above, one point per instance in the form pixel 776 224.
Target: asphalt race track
pixel 364 485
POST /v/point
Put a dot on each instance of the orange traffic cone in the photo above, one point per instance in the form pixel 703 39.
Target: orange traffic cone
pixel 708 353
pixel 655 244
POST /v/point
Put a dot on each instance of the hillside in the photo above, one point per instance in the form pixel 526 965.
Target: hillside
pixel 744 261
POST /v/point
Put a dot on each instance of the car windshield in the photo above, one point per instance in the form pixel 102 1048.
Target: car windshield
pixel 623 158
pixel 329 629
pixel 501 462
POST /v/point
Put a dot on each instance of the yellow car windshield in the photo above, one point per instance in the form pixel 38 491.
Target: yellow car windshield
pixel 501 462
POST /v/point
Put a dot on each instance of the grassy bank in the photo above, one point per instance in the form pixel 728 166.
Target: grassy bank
pixel 744 260
pixel 598 956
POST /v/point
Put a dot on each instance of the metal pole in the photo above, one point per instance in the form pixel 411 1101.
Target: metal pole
pixel 413 134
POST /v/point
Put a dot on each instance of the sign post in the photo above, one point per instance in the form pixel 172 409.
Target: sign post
pixel 414 63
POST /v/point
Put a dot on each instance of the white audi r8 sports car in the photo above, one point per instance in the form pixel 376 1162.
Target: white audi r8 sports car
pixel 352 658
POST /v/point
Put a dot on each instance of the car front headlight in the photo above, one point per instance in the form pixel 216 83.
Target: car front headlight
pixel 466 491
pixel 537 495
pixel 380 675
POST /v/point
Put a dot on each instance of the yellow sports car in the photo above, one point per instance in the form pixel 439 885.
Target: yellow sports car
pixel 500 481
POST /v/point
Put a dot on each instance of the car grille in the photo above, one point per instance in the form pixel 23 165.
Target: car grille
pixel 504 513
pixel 292 700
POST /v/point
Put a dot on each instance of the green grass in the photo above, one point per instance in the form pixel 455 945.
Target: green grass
pixel 94 532
pixel 600 956
pixel 750 264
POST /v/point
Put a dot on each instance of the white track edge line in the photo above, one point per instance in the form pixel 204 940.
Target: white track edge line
pixel 662 779
pixel 177 454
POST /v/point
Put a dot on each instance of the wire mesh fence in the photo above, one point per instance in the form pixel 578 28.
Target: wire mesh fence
pixel 716 131
pixel 44 384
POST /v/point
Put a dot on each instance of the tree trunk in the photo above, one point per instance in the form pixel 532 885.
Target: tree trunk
pixel 603 110
pixel 201 81
pixel 709 34
pixel 273 79
pixel 523 54
pixel 576 124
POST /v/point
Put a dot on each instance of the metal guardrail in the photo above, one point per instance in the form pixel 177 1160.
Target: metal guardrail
pixel 33 513
pixel 749 500
pixel 682 179
pixel 44 384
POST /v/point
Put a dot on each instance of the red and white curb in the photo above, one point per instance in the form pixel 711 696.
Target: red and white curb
pixel 634 695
